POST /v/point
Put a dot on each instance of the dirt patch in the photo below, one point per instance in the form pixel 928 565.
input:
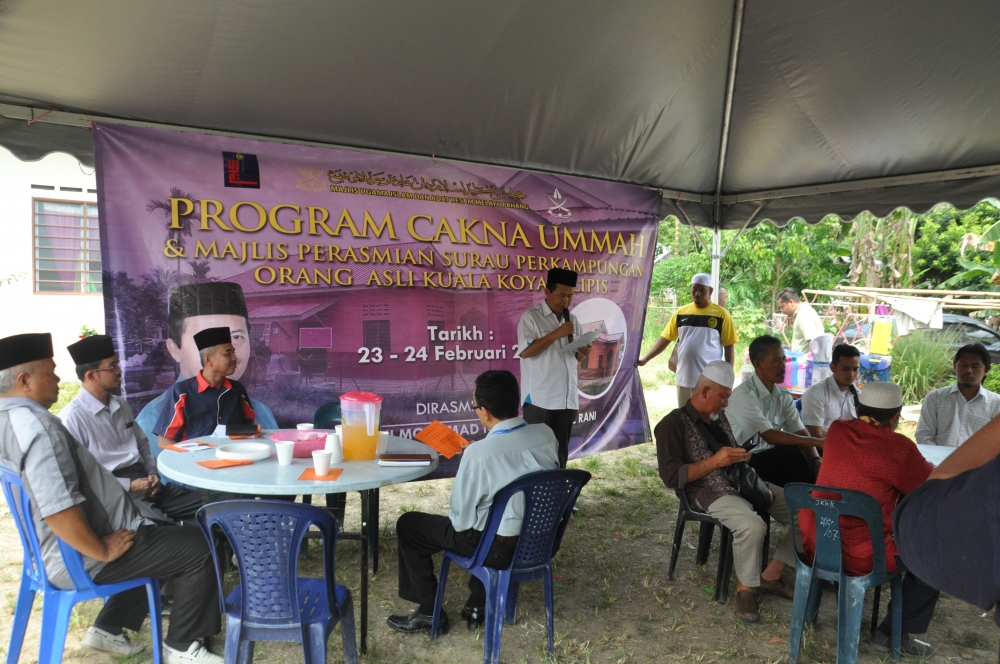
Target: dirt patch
pixel 613 600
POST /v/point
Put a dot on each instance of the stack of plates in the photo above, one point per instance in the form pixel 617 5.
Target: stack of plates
pixel 243 451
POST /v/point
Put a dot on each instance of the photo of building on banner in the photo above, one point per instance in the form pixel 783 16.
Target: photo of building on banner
pixel 341 271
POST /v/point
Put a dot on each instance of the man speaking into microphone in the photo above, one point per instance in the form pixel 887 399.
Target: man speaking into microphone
pixel 549 371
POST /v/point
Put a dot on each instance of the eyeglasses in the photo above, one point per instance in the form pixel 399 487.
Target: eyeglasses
pixel 114 367
pixel 476 407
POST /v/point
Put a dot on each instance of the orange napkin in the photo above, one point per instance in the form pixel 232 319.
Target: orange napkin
pixel 310 474
pixel 222 463
pixel 441 438
pixel 174 448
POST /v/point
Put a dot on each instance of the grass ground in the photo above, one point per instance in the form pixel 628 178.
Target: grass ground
pixel 614 602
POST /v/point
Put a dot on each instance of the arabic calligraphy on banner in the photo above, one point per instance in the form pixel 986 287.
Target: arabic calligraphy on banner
pixel 421 183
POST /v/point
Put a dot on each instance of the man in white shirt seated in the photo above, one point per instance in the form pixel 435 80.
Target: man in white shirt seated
pixel 103 423
pixel 512 448
pixel 763 417
pixel 835 397
pixel 949 416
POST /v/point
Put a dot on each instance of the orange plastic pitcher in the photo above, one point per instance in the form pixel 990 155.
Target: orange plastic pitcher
pixel 360 413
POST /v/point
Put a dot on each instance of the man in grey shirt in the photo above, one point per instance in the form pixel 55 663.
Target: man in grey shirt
pixel 103 423
pixel 77 500
pixel 512 448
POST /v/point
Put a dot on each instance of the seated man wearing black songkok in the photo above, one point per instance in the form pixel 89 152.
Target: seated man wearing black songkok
pixel 103 423
pixel 206 404
pixel 191 309
pixel 75 499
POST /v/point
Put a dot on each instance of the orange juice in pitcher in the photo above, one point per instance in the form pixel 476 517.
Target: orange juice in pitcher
pixel 360 413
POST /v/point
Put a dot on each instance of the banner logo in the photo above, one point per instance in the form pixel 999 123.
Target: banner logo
pixel 240 170
pixel 559 208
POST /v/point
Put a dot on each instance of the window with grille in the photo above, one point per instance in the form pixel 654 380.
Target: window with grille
pixel 376 333
pixel 67 247
pixel 374 309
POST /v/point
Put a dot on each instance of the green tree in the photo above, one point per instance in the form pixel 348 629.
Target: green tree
pixel 938 241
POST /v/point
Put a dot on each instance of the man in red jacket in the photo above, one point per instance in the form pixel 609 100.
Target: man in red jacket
pixel 867 455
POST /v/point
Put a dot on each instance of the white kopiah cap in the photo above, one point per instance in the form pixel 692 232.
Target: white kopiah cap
pixel 881 395
pixel 702 279
pixel 720 372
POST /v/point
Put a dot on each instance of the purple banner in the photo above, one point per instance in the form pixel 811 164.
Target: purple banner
pixel 398 275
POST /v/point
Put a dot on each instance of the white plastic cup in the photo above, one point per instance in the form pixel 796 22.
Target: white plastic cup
pixel 321 462
pixel 383 442
pixel 340 432
pixel 285 450
pixel 305 426
pixel 334 447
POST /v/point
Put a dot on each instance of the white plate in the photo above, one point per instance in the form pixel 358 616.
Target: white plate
pixel 243 451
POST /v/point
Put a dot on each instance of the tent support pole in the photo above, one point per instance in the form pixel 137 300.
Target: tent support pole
pixel 727 117
pixel 716 262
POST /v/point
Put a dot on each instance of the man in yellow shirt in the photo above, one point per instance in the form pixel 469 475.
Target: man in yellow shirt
pixel 704 332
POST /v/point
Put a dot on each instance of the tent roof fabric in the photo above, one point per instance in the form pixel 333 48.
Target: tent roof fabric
pixel 824 94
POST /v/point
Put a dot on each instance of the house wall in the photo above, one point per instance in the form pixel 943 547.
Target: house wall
pixel 23 309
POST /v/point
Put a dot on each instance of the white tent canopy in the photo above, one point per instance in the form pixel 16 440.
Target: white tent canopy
pixel 769 110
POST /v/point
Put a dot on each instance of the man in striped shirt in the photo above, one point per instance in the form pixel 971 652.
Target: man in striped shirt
pixel 950 415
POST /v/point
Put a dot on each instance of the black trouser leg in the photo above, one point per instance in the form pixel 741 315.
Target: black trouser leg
pixel 499 558
pixel 560 421
pixel 419 537
pixel 919 600
pixel 178 502
pixel 781 465
pixel 175 500
pixel 176 553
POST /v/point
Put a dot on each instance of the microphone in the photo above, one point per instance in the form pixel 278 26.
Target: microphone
pixel 569 339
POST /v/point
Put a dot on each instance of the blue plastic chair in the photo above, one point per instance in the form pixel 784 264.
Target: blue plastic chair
pixel 827 566
pixel 549 496
pixel 57 605
pixel 273 603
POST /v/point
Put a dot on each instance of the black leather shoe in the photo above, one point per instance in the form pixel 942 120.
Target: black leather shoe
pixel 417 622
pixel 474 617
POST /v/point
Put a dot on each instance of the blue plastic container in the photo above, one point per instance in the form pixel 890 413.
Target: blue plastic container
pixel 876 368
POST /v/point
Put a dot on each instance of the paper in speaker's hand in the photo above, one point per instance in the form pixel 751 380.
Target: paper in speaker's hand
pixel 583 340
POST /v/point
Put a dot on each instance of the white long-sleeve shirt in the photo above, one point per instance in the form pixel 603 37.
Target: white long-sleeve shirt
pixel 946 418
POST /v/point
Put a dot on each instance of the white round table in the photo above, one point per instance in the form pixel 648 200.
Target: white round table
pixel 935 453
pixel 267 478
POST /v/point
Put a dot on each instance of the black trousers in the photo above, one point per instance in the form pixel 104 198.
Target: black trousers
pixel 176 501
pixel 560 421
pixel 180 555
pixel 783 464
pixel 420 536
pixel 919 600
